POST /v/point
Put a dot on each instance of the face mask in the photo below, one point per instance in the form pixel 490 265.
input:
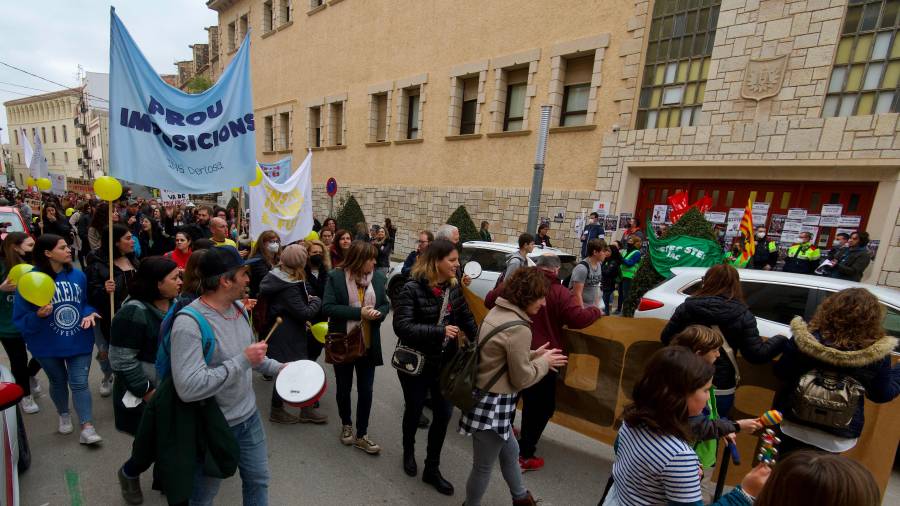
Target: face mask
pixel 761 236
pixel 315 261
pixel 836 244
pixel 273 247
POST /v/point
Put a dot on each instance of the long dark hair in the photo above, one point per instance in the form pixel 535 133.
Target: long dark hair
pixel 101 216
pixel 118 232
pixel 145 286
pixel 721 280
pixel 11 257
pixel 660 396
pixel 42 245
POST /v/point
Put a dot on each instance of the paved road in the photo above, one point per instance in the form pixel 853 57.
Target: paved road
pixel 310 466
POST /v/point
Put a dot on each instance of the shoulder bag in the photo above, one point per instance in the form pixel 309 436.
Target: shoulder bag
pixel 408 360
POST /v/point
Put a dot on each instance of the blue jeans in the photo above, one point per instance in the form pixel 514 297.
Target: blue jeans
pixel 69 372
pixel 607 301
pixel 253 464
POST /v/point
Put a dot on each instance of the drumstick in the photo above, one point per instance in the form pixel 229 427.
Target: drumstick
pixel 277 323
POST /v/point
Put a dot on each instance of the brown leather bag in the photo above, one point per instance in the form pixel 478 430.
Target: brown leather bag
pixel 343 348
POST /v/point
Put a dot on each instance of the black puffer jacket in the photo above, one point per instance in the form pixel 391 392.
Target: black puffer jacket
pixel 416 313
pixel 737 324
pixel 871 366
pixel 289 299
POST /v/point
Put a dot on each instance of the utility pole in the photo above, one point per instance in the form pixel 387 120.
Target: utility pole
pixel 537 181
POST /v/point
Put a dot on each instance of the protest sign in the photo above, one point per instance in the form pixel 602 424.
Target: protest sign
pixel 58 184
pixel 659 213
pixel 715 217
pixel 849 221
pixel 792 226
pixel 173 199
pixel 830 221
pixel 811 219
pixel 796 214
pixel 279 171
pixel 163 137
pixel 285 208
pixel 623 220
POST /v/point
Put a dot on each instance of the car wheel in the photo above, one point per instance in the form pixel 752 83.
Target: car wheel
pixel 24 449
pixel 395 285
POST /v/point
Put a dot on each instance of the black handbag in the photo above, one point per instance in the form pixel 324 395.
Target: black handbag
pixel 410 361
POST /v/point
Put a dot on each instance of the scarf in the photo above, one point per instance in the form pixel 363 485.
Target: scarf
pixel 355 287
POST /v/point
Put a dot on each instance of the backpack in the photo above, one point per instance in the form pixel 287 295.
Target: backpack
pixel 503 274
pixel 460 374
pixel 568 279
pixel 826 399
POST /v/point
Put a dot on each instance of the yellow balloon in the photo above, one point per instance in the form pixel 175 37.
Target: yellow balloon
pixel 319 331
pixel 44 184
pixel 259 177
pixel 236 189
pixel 37 288
pixel 108 188
pixel 18 271
pixel 70 211
pixel 29 181
pixel 312 236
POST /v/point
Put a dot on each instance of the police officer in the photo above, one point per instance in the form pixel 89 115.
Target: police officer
pixel 766 255
pixel 802 258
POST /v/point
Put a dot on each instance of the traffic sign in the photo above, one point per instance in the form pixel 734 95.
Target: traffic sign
pixel 331 187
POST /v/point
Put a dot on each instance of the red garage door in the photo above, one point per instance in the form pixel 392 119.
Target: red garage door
pixel 856 198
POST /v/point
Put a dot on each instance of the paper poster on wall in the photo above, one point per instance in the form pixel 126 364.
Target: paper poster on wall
pixel 601 207
pixel 761 207
pixel 610 223
pixel 789 237
pixel 659 213
pixel 849 221
pixel 735 214
pixel 578 225
pixel 792 226
pixel 796 214
pixel 832 209
pixel 759 220
pixel 623 220
pixel 559 217
pixel 873 247
pixel 545 221
pixel 830 221
pixel 715 217
pixel 777 225
pixel 811 219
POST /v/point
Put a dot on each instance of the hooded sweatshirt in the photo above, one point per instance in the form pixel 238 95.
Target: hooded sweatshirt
pixel 737 324
pixel 59 334
pixel 289 299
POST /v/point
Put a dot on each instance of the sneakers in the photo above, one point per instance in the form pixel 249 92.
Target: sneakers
pixel 89 436
pixel 310 415
pixel 279 415
pixel 131 488
pixel 531 464
pixel 29 406
pixel 347 435
pixel 106 386
pixel 365 444
pixel 65 424
pixel 35 386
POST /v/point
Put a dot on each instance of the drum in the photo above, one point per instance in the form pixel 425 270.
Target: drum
pixel 301 384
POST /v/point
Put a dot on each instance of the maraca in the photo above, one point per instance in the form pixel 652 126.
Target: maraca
pixel 767 452
pixel 770 418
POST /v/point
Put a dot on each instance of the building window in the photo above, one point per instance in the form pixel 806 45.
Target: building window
pixel 409 121
pixel 243 27
pixel 53 158
pixel 316 3
pixel 66 156
pixel 336 123
pixel 866 74
pixel 314 127
pixel 412 117
pixel 53 132
pixel 267 13
pixel 269 133
pixel 469 108
pixel 284 123
pixel 379 113
pixel 576 90
pixel 65 135
pixel 679 46
pixel 284 12
pixel 232 35
pixel 18 158
pixel 514 115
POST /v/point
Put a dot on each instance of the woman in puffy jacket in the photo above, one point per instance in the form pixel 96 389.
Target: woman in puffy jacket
pixel 845 340
pixel 720 302
pixel 422 324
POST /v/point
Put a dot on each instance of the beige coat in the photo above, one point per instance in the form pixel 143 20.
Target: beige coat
pixel 511 346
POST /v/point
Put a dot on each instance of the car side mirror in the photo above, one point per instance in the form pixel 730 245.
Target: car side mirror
pixel 472 269
pixel 10 395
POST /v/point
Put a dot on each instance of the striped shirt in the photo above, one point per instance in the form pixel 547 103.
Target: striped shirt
pixel 652 469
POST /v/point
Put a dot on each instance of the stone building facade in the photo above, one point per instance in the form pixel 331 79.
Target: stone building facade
pixel 791 103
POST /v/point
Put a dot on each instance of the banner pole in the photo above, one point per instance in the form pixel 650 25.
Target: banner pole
pixel 240 216
pixel 112 295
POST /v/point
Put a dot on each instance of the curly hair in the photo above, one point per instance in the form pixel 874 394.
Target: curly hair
pixel 525 286
pixel 850 319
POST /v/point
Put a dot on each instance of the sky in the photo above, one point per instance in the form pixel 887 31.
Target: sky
pixel 51 38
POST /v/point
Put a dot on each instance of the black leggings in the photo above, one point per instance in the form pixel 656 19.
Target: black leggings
pixel 22 368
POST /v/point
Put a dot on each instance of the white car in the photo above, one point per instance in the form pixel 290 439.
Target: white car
pixel 491 258
pixel 774 297
pixel 15 456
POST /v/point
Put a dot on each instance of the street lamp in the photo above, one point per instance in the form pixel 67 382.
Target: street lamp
pixel 537 181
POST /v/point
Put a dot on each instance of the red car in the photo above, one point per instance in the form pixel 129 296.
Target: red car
pixel 11 220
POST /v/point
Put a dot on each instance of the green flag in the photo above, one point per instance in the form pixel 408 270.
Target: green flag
pixel 681 251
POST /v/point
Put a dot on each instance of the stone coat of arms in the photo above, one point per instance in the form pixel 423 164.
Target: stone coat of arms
pixel 763 77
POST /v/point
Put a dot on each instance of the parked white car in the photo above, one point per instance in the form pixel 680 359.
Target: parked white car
pixel 491 258
pixel 774 297
pixel 15 456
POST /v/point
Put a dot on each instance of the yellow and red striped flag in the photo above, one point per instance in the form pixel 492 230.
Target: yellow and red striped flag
pixel 747 231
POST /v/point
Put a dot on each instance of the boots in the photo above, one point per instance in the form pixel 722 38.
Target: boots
pixel 131 488
pixel 432 476
pixel 279 415
pixel 409 463
pixel 310 415
pixel 528 500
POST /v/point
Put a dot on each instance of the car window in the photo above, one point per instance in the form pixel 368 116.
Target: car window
pixel 490 260
pixel 892 321
pixel 692 287
pixel 778 303
pixel 11 222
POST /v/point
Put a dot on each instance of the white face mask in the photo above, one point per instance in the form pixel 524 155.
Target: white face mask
pixel 761 236
pixel 273 247
pixel 836 243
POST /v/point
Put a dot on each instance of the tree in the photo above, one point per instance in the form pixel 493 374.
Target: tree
pixel 461 220
pixel 349 215
pixel 198 84
pixel 692 224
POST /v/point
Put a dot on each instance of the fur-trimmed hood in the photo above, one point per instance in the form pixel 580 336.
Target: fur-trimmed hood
pixel 810 345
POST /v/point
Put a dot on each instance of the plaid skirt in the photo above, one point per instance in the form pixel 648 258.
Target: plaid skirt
pixel 493 412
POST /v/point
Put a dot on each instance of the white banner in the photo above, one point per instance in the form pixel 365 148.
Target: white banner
pixel 285 208
pixel 58 184
pixel 173 198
